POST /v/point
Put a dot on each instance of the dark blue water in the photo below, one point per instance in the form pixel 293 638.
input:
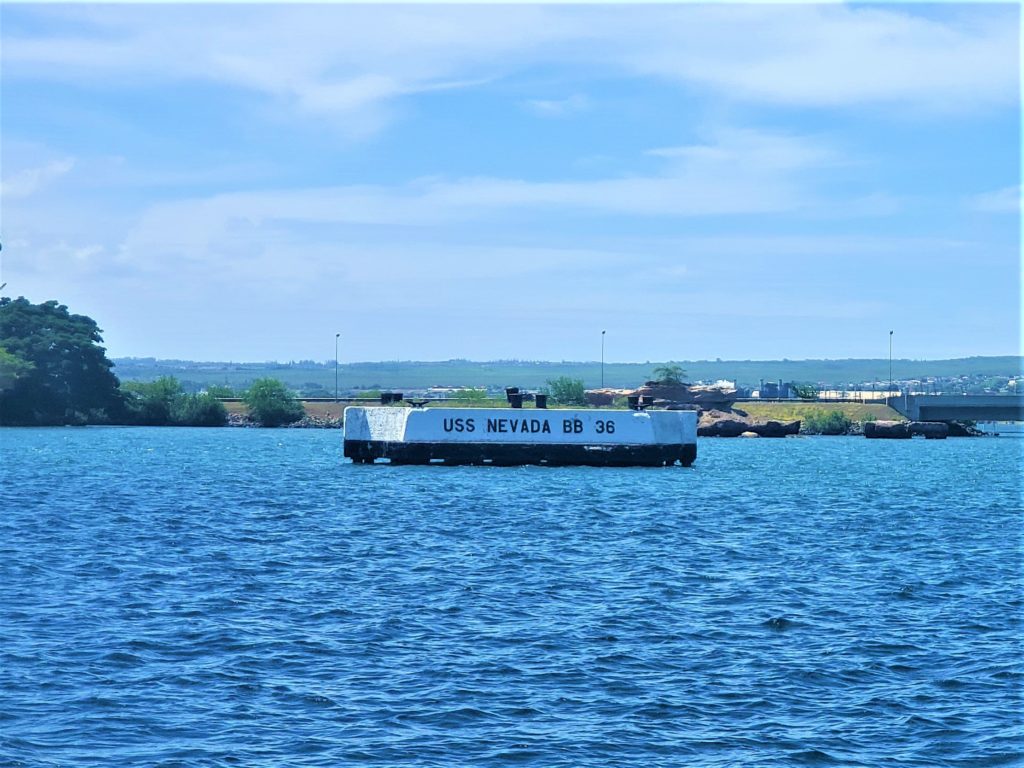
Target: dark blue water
pixel 243 597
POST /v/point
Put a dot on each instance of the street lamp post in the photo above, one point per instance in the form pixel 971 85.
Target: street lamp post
pixel 890 369
pixel 336 337
pixel 602 358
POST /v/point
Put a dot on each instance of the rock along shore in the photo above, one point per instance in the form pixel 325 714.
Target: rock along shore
pixel 736 423
pixel 306 422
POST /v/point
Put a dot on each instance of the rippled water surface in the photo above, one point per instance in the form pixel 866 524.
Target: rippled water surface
pixel 244 597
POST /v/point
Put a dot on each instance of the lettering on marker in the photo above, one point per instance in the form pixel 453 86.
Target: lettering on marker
pixel 459 425
pixel 515 426
pixel 524 426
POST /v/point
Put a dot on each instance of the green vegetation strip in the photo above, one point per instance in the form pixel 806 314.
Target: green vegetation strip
pixel 788 411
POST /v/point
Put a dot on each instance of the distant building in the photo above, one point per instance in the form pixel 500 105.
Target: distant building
pixel 771 390
pixel 775 390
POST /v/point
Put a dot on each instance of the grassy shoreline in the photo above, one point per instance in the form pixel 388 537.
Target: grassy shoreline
pixel 790 411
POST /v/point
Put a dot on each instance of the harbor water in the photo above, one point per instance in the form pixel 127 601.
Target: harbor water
pixel 191 597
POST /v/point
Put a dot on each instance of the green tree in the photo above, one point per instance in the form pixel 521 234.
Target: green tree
pixel 150 402
pixel 164 402
pixel 12 368
pixel 198 410
pixel 669 375
pixel 271 404
pixel 70 380
pixel 806 391
pixel 567 391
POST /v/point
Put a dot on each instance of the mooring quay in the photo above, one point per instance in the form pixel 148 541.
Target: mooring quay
pixel 513 437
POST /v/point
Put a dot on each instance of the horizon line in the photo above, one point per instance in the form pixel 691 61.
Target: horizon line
pixel 717 361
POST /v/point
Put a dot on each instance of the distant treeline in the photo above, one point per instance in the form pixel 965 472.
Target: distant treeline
pixel 309 376
pixel 54 370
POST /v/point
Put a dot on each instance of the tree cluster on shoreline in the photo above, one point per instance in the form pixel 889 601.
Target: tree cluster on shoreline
pixel 54 371
pixel 164 403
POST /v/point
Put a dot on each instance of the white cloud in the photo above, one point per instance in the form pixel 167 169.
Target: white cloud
pixel 28 181
pixel 343 62
pixel 349 62
pixel 264 283
pixel 744 146
pixel 492 246
pixel 736 172
pixel 558 107
pixel 835 55
pixel 296 238
pixel 1005 200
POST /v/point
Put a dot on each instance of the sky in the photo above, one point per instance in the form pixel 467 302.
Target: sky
pixel 242 182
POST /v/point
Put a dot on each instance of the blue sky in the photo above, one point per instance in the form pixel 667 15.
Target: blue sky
pixel 241 182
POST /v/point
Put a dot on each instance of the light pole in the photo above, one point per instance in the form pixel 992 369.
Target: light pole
pixel 890 369
pixel 336 337
pixel 602 358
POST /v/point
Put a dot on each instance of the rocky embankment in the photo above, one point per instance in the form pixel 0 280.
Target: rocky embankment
pixel 930 430
pixel 736 423
pixel 306 422
pixel 317 422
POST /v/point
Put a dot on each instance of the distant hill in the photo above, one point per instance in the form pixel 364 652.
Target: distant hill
pixel 522 373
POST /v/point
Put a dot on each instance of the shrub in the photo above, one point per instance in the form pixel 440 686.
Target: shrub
pixel 567 391
pixel 202 410
pixel 163 402
pixel 149 403
pixel 825 423
pixel 271 404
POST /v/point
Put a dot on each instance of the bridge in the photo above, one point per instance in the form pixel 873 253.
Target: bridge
pixel 960 407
